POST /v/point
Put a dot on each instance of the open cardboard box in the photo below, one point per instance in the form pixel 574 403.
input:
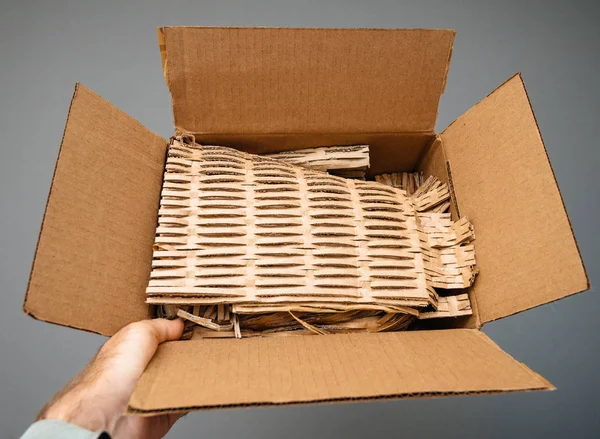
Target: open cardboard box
pixel 261 90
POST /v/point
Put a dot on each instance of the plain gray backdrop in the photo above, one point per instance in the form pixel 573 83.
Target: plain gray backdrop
pixel 111 47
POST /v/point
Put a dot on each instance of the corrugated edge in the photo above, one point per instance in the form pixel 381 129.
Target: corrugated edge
pixel 162 46
pixel 481 100
pixel 589 285
pixel 547 385
pixel 312 28
pixel 309 133
pixel 140 412
pixel 450 52
pixel 25 308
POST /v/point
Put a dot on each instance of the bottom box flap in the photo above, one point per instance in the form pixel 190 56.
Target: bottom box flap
pixel 201 374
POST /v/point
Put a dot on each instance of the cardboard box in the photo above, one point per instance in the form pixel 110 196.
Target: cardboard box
pixel 265 90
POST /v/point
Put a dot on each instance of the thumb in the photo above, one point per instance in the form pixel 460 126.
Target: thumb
pixel 130 350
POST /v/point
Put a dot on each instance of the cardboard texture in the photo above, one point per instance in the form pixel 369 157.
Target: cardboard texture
pixel 269 90
pixel 289 370
pixel 504 184
pixel 280 80
pixel 327 158
pixel 389 152
pixel 236 228
pixel 348 161
pixel 94 252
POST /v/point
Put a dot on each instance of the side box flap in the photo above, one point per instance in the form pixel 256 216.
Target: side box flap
pixel 94 253
pixel 284 80
pixel 201 374
pixel 504 183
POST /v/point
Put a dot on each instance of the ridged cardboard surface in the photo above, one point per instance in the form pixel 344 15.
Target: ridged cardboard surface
pixel 240 228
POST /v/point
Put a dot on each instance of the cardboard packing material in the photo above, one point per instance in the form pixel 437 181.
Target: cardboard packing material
pixel 238 228
pixel 269 90
pixel 348 161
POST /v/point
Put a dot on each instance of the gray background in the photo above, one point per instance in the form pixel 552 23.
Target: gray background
pixel 46 46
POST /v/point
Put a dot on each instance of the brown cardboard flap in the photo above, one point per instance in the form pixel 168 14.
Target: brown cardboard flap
pixel 201 374
pixel 284 80
pixel 94 252
pixel 504 183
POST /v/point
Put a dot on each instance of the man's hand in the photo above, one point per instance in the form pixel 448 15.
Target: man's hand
pixel 97 398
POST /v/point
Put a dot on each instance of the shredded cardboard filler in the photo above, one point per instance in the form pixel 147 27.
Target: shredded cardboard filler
pixel 254 245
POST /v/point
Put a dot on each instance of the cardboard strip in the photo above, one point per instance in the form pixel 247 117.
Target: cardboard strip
pixel 450 306
pixel 263 234
pixel 327 158
pixel 409 181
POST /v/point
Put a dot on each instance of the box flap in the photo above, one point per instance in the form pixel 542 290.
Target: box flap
pixel 504 183
pixel 94 252
pixel 434 162
pixel 284 80
pixel 300 369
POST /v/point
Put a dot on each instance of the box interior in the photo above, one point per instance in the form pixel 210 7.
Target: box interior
pixel 389 152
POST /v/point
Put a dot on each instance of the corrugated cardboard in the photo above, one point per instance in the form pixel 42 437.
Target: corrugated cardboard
pixel 247 88
pixel 390 152
pixel 291 370
pixel 286 238
pixel 94 252
pixel 278 80
pixel 504 183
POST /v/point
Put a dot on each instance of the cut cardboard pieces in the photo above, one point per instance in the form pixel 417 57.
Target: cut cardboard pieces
pixel 94 253
pixel 288 234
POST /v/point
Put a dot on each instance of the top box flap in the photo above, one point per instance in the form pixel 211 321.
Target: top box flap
pixel 504 183
pixel 94 252
pixel 300 369
pixel 284 80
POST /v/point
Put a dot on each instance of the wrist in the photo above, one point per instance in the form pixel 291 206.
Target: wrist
pixel 80 410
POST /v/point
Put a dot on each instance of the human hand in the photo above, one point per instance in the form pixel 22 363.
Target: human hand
pixel 97 398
